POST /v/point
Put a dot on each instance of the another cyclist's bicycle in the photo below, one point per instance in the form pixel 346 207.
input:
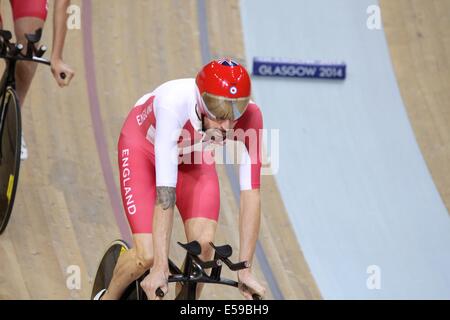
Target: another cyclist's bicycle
pixel 10 120
pixel 192 273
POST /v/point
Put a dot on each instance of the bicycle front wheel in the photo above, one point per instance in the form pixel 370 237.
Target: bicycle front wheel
pixel 106 269
pixel 10 144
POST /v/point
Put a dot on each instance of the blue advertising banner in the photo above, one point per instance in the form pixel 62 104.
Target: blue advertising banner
pixel 298 69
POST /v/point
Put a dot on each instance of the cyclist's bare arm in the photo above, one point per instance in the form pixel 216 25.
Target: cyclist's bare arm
pixel 59 35
pixel 162 229
pixel 162 226
pixel 249 224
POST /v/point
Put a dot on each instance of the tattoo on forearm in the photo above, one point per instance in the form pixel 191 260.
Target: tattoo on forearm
pixel 166 197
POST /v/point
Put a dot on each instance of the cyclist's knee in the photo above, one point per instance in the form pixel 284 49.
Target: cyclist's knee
pixel 26 25
pixel 202 230
pixel 207 250
pixel 144 250
pixel 144 259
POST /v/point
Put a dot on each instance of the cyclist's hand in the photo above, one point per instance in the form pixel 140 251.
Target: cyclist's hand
pixel 248 285
pixel 215 136
pixel 158 278
pixel 59 67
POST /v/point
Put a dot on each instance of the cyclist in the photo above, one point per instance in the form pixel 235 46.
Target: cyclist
pixel 165 155
pixel 30 15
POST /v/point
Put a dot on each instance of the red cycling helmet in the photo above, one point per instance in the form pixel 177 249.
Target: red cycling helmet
pixel 225 87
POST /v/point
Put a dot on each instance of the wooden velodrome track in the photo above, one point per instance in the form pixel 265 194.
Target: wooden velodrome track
pixel 67 202
pixel 418 34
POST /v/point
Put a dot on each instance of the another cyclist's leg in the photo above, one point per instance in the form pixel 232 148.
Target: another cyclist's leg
pixel 138 189
pixel 198 199
pixel 25 70
pixel 29 15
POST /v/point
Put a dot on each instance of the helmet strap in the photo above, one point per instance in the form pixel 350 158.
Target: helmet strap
pixel 200 117
pixel 196 112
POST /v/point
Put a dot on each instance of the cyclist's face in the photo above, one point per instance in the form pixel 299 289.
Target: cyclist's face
pixel 223 125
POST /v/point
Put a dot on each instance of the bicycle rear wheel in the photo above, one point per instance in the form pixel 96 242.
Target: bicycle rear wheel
pixel 106 269
pixel 10 144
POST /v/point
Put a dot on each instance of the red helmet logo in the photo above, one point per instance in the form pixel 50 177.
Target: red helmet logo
pixel 225 78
